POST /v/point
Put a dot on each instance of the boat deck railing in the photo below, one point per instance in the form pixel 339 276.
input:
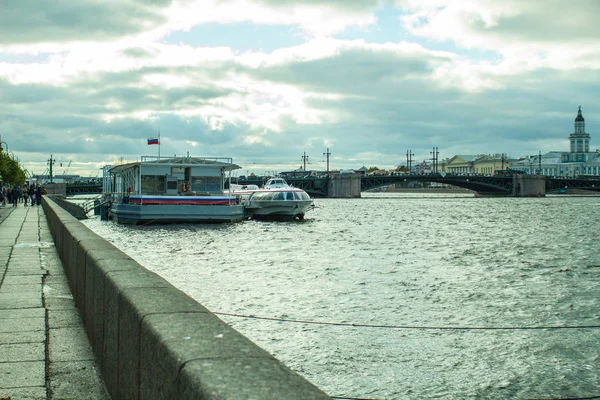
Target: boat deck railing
pixel 183 159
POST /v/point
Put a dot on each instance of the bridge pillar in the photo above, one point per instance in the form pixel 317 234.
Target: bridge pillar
pixel 529 185
pixel 344 186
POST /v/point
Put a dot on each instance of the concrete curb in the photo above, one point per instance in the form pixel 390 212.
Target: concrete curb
pixel 151 340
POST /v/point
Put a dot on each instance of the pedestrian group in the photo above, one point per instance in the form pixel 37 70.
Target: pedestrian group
pixel 31 194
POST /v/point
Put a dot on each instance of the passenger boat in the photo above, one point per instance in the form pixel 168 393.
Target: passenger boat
pixel 171 190
pixel 276 200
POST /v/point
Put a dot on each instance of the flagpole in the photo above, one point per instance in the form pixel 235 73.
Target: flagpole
pixel 159 143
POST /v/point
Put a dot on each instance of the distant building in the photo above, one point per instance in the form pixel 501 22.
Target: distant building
pixel 423 168
pixel 459 164
pixel 482 164
pixel 578 161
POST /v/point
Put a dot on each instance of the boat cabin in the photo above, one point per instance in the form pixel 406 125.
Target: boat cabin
pixel 169 176
pixel 276 183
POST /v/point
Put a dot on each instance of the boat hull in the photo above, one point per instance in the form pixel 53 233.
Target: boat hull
pixel 135 214
pixel 278 210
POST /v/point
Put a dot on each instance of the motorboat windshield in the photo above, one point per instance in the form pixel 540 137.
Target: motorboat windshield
pixel 281 196
pixel 276 183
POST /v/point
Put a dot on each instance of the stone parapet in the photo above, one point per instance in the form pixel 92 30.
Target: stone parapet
pixel 153 341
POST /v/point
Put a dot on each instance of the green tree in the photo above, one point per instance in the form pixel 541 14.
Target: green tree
pixel 371 169
pixel 11 172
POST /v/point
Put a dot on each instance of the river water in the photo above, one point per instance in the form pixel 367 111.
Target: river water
pixel 451 297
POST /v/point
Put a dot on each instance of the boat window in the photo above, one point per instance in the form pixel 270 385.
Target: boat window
pixel 276 183
pixel 206 184
pixel 305 196
pixel 278 196
pixel 153 184
pixel 289 195
pixel 298 195
pixel 171 185
pixel 262 196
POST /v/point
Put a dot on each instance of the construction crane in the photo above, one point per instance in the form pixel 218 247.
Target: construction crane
pixel 67 169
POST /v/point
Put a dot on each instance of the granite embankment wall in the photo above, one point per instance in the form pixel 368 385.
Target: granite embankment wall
pixel 151 340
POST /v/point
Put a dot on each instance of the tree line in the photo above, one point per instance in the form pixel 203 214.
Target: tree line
pixel 10 171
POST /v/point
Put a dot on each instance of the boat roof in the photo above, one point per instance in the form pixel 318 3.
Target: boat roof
pixel 225 163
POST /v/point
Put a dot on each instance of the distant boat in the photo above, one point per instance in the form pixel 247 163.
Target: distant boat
pixel 276 200
pixel 171 190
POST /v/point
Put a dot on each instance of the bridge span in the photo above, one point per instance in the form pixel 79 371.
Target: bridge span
pixel 487 185
pixel 495 185
pixel 482 184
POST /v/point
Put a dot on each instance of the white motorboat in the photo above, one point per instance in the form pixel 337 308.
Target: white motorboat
pixel 276 200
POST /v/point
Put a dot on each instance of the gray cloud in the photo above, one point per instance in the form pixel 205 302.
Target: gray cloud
pixel 507 23
pixel 552 20
pixel 32 21
pixel 357 71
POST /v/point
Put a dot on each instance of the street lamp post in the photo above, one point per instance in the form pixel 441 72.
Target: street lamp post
pixel 327 154
pixel 304 160
pixel 434 157
pixel 51 162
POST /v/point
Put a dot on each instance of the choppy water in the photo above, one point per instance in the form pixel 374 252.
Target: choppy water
pixel 405 264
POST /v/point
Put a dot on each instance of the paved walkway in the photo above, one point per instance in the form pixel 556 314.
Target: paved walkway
pixel 44 351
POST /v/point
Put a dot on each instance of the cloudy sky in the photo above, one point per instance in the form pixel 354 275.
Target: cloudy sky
pixel 265 81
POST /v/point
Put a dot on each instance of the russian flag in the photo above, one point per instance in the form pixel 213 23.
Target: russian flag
pixel 152 141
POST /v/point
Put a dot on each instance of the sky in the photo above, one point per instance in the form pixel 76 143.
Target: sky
pixel 87 82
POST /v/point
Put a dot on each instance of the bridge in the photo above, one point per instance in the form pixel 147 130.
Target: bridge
pixel 495 185
pixel 483 184
pixel 83 188
pixel 487 185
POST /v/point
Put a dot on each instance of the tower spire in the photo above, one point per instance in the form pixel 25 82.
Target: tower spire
pixel 580 140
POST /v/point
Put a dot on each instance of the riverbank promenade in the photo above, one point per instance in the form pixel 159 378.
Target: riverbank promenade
pixel 44 350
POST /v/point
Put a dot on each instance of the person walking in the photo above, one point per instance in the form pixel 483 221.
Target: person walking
pixel 38 195
pixel 15 196
pixel 32 195
pixel 25 195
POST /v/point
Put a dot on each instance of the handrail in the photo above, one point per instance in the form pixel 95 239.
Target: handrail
pixel 91 204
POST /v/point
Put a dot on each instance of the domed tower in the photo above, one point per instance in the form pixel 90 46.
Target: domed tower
pixel 580 141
